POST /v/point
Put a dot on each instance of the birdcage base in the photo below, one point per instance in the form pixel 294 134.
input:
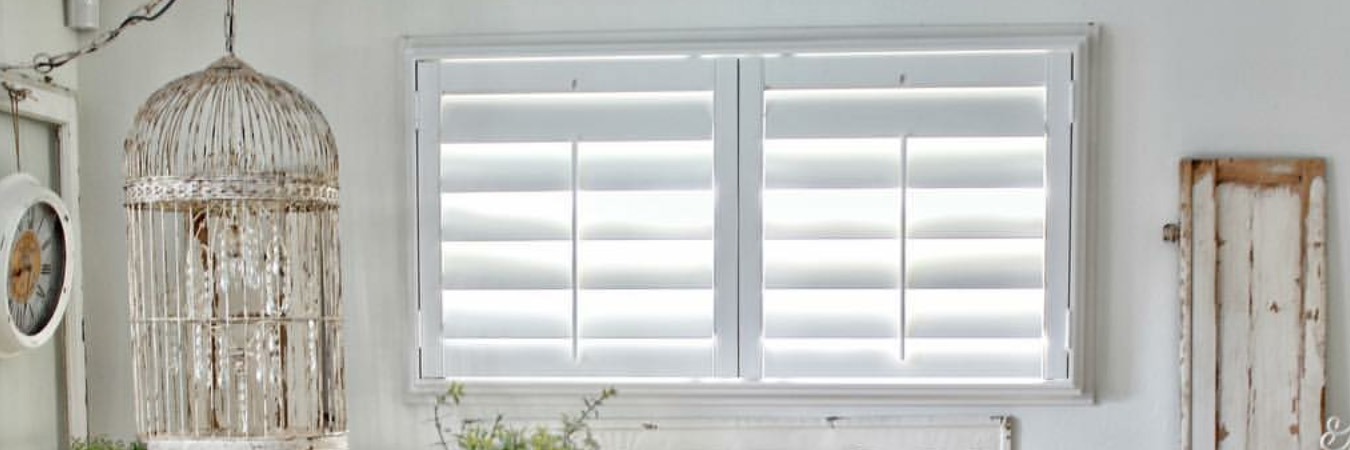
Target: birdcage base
pixel 336 442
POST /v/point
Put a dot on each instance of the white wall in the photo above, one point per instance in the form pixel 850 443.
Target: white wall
pixel 29 27
pixel 1199 77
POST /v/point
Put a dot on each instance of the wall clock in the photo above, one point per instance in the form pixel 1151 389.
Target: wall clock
pixel 35 261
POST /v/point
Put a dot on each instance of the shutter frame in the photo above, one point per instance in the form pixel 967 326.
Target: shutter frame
pixel 1070 38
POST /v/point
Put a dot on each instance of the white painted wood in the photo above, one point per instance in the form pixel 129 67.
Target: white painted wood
pixel 1275 338
pixel 1234 205
pixel 755 41
pixel 526 76
pixel 1082 211
pixel 841 113
pixel 1199 324
pixel 726 247
pixel 751 218
pixel 747 47
pixel 1059 191
pixel 56 105
pixel 910 70
pixel 830 224
pixel 1312 396
pixel 425 183
pixel 1252 296
pixel 564 117
pixel 559 190
pixel 544 397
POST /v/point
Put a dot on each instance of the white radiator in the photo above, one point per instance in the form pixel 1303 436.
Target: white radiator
pixel 880 433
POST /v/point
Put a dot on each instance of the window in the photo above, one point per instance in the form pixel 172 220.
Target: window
pixel 820 212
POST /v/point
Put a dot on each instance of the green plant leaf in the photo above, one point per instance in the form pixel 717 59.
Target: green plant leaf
pixel 478 434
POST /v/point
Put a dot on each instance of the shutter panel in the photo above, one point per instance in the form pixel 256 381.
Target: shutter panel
pixel 905 208
pixel 589 220
pixel 577 218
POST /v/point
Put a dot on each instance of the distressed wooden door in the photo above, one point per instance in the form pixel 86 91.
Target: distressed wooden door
pixel 1253 289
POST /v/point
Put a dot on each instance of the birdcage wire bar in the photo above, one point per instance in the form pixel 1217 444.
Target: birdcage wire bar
pixel 235 293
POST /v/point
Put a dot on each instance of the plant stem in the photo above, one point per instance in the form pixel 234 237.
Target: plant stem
pixel 440 427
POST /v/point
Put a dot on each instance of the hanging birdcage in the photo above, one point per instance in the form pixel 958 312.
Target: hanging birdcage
pixel 231 202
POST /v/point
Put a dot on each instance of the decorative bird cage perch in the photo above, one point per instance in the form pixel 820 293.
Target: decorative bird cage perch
pixel 231 202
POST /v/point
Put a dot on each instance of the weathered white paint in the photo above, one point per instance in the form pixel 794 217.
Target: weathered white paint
pixel 1231 345
pixel 1252 379
pixel 1198 314
pixel 1314 350
pixel 1274 305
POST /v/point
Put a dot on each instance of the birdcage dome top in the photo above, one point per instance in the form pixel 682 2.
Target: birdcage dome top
pixel 229 124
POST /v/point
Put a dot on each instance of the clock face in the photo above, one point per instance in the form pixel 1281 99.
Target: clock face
pixel 36 269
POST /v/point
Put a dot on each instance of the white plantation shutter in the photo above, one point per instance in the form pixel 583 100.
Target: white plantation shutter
pixel 897 217
pixel 904 209
pixel 576 218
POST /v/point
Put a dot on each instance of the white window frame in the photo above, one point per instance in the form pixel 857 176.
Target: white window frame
pixel 1076 39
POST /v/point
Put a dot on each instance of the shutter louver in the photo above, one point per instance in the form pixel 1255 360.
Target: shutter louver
pixel 904 226
pixel 577 218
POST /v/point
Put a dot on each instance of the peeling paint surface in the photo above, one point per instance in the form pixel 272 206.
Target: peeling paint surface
pixel 1253 257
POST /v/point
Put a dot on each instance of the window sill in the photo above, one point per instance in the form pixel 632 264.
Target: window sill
pixel 672 397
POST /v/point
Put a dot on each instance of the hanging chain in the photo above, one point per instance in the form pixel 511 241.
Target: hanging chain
pixel 16 95
pixel 44 63
pixel 229 26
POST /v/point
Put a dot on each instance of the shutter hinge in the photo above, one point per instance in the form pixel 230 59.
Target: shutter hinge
pixel 1073 64
pixel 1072 109
pixel 417 98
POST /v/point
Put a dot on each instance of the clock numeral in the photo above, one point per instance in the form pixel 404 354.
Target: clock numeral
pixel 46 269
pixel 41 292
pixel 46 244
